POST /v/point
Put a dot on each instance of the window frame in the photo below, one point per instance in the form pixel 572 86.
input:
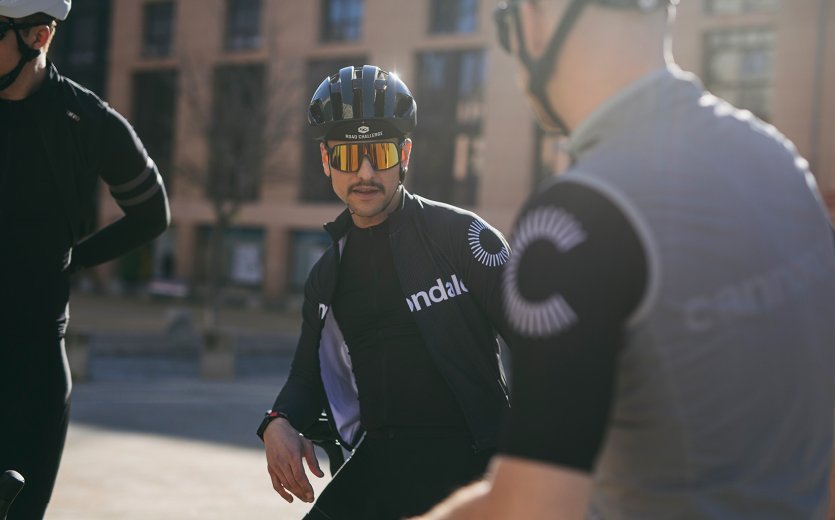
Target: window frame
pixel 741 84
pixel 747 7
pixel 328 32
pixel 459 19
pixel 157 49
pixel 237 37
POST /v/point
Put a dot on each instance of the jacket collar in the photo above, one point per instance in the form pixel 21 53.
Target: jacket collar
pixel 658 92
pixel 339 227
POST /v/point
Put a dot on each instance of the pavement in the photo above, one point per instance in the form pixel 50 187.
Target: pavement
pixel 100 313
pixel 149 439
pixel 171 448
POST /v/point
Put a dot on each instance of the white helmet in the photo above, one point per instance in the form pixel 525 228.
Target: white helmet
pixel 58 9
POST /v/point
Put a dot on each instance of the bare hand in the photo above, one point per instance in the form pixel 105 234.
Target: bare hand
pixel 285 449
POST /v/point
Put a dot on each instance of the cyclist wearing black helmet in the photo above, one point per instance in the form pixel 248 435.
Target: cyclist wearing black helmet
pixel 398 344
pixel 56 140
pixel 671 296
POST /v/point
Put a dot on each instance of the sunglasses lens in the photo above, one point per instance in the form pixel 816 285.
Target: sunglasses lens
pixel 348 157
pixel 384 155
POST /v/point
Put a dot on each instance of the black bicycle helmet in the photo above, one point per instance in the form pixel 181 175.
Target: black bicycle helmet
pixel 362 103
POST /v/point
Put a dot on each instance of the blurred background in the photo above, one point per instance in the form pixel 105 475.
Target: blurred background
pixel 217 90
pixel 178 347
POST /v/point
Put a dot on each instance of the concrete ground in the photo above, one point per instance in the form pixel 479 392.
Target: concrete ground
pixel 115 313
pixel 168 449
pixel 149 439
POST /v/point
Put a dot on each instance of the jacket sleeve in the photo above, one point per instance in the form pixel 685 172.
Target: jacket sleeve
pixel 136 186
pixel 481 253
pixel 302 398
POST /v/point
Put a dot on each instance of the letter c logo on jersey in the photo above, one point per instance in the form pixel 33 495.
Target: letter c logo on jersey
pixel 540 319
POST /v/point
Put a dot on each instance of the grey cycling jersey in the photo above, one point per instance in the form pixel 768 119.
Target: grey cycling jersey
pixel 725 387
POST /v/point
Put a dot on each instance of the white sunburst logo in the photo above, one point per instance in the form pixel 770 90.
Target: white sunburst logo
pixel 477 247
pixel 548 317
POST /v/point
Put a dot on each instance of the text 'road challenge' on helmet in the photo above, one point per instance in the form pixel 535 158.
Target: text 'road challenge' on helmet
pixel 362 103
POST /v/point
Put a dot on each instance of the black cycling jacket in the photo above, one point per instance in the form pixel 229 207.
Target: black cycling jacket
pixel 86 140
pixel 448 261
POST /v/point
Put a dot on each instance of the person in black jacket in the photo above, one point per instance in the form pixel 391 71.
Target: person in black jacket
pixel 56 140
pixel 398 343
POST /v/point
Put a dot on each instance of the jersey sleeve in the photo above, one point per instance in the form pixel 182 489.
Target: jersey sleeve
pixel 577 273
pixel 136 186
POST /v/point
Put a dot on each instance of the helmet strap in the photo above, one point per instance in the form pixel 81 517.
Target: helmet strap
pixel 27 54
pixel 541 70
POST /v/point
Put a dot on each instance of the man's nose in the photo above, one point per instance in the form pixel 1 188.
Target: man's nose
pixel 366 171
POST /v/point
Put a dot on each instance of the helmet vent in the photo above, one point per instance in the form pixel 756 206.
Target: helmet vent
pixel 316 112
pixel 402 105
pixel 357 101
pixel 336 103
pixel 380 101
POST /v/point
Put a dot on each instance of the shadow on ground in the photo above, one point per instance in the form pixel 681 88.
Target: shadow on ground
pixel 164 396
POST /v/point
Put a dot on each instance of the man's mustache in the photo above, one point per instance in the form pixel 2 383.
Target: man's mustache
pixel 368 184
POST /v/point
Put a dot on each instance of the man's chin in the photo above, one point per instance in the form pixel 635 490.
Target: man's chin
pixel 364 211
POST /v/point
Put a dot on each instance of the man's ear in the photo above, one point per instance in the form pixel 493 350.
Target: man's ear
pixel 40 35
pixel 323 150
pixel 405 154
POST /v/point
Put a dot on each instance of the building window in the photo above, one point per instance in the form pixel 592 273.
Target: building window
pixel 154 115
pixel 446 159
pixel 315 186
pixel 739 67
pixel 237 134
pixel 243 25
pixel 740 6
pixel 84 45
pixel 80 47
pixel 341 20
pixel 242 259
pixel 157 29
pixel 307 248
pixel 453 16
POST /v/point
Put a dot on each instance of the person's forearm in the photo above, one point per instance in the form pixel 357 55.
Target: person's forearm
pixel 129 232
pixel 465 504
pixel 519 488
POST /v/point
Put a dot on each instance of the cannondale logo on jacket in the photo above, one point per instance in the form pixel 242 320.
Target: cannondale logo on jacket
pixel 439 292
pixel 363 129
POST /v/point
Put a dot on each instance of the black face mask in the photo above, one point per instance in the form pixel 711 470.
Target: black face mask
pixel 27 53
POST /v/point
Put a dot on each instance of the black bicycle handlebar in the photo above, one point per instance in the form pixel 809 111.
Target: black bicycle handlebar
pixel 10 485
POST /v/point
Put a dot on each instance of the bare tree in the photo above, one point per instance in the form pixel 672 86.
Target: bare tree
pixel 240 111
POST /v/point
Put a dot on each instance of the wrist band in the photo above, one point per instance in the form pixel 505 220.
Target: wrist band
pixel 269 416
